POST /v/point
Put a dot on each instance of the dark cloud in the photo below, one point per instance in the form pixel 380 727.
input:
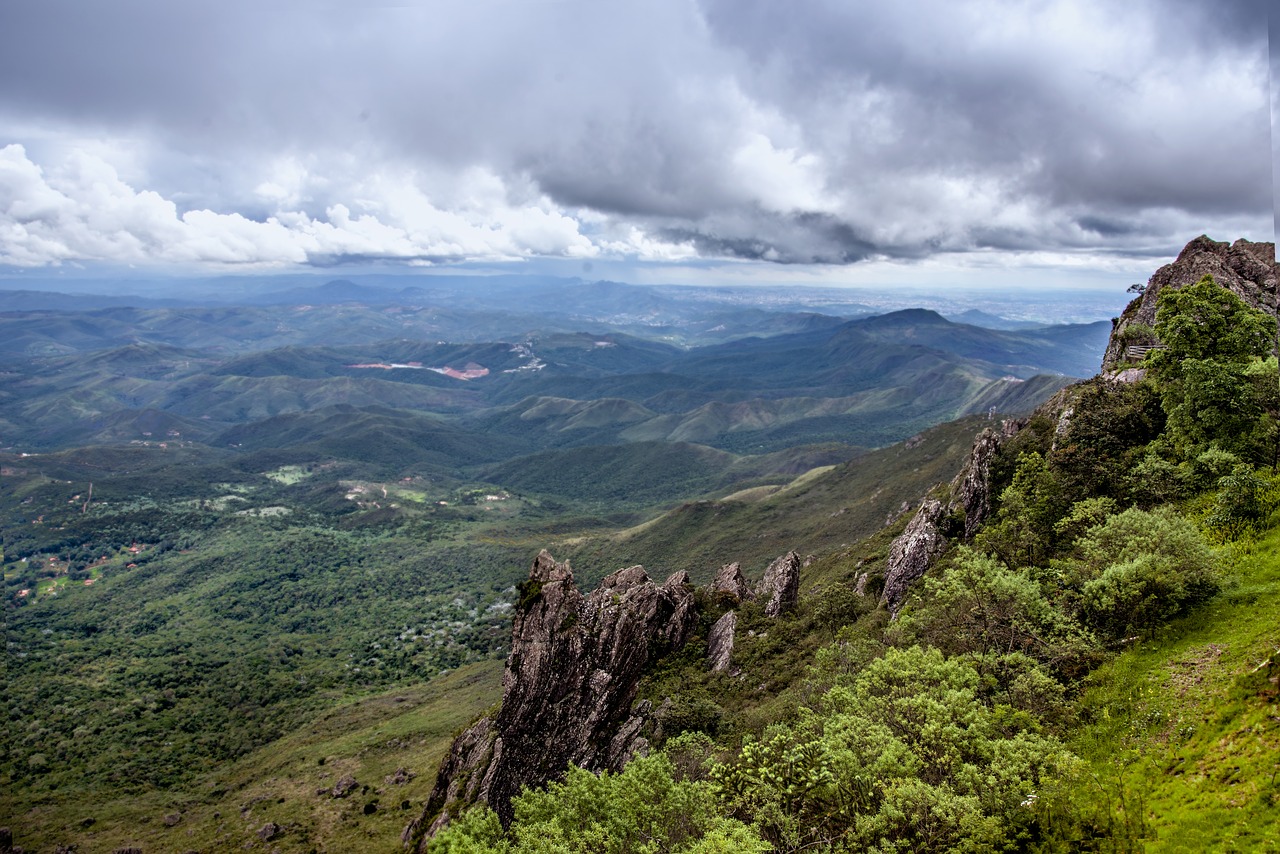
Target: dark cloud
pixel 812 131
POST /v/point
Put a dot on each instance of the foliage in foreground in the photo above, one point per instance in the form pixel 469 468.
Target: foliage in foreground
pixel 645 809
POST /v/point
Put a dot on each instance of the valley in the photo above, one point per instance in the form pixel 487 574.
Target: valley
pixel 220 526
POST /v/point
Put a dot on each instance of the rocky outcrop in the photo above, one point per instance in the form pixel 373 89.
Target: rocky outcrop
pixel 911 554
pixel 568 688
pixel 780 587
pixel 1247 269
pixel 720 643
pixel 971 489
pixel 731 584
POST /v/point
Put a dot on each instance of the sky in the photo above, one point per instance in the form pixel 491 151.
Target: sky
pixel 927 143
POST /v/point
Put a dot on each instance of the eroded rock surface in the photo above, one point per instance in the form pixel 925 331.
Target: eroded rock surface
pixel 971 489
pixel 720 642
pixel 731 583
pixel 780 587
pixel 912 553
pixel 568 688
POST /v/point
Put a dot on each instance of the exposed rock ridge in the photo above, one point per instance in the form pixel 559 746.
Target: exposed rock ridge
pixel 568 688
pixel 1246 268
pixel 780 586
pixel 720 642
pixel 971 488
pixel 732 584
pixel 924 539
pixel 913 552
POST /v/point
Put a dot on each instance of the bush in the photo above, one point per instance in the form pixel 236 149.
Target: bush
pixel 1141 568
pixel 642 809
pixel 908 757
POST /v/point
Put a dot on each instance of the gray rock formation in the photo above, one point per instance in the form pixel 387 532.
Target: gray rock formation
pixel 720 642
pixel 780 587
pixel 1245 268
pixel 971 489
pixel 568 688
pixel 731 583
pixel 911 554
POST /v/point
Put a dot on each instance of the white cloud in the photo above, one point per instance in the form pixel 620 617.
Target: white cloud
pixel 82 211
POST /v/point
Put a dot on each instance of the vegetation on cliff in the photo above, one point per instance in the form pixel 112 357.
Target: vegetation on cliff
pixel 1051 683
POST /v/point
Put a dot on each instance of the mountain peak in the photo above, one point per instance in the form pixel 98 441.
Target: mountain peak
pixel 905 317
pixel 1247 269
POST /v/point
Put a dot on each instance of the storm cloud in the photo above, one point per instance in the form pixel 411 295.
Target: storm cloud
pixel 298 133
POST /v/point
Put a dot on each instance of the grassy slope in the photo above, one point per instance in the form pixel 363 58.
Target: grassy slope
pixel 1191 724
pixel 368 739
pixel 817 514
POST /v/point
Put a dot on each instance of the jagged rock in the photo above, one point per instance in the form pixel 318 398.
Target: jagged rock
pixel 1247 269
pixel 730 582
pixel 345 786
pixel 1128 375
pixel 912 552
pixel 720 642
pixel 269 831
pixel 971 489
pixel 780 587
pixel 173 819
pixel 568 688
pixel 860 585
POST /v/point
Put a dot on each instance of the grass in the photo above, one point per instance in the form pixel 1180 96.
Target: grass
pixel 369 739
pixel 1193 714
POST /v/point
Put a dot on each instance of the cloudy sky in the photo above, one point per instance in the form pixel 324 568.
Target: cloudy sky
pixel 680 140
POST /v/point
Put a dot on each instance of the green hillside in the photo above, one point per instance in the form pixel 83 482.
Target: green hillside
pixel 237 567
pixel 1096 669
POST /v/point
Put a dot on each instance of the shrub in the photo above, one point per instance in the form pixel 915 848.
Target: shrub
pixel 1140 568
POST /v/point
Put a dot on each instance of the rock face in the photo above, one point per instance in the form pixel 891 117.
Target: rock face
pixel 1247 269
pixel 971 489
pixel 780 586
pixel 568 688
pixel 732 584
pixel 913 552
pixel 720 642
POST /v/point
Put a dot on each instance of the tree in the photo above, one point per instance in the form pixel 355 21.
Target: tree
pixel 1140 568
pixel 1211 336
pixel 1023 530
pixel 1207 321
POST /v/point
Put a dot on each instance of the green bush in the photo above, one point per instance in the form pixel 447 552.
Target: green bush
pixel 1140 568
pixel 905 757
pixel 643 809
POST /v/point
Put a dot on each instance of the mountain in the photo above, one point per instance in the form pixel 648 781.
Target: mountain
pixel 1153 563
pixel 977 317
pixel 285 607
